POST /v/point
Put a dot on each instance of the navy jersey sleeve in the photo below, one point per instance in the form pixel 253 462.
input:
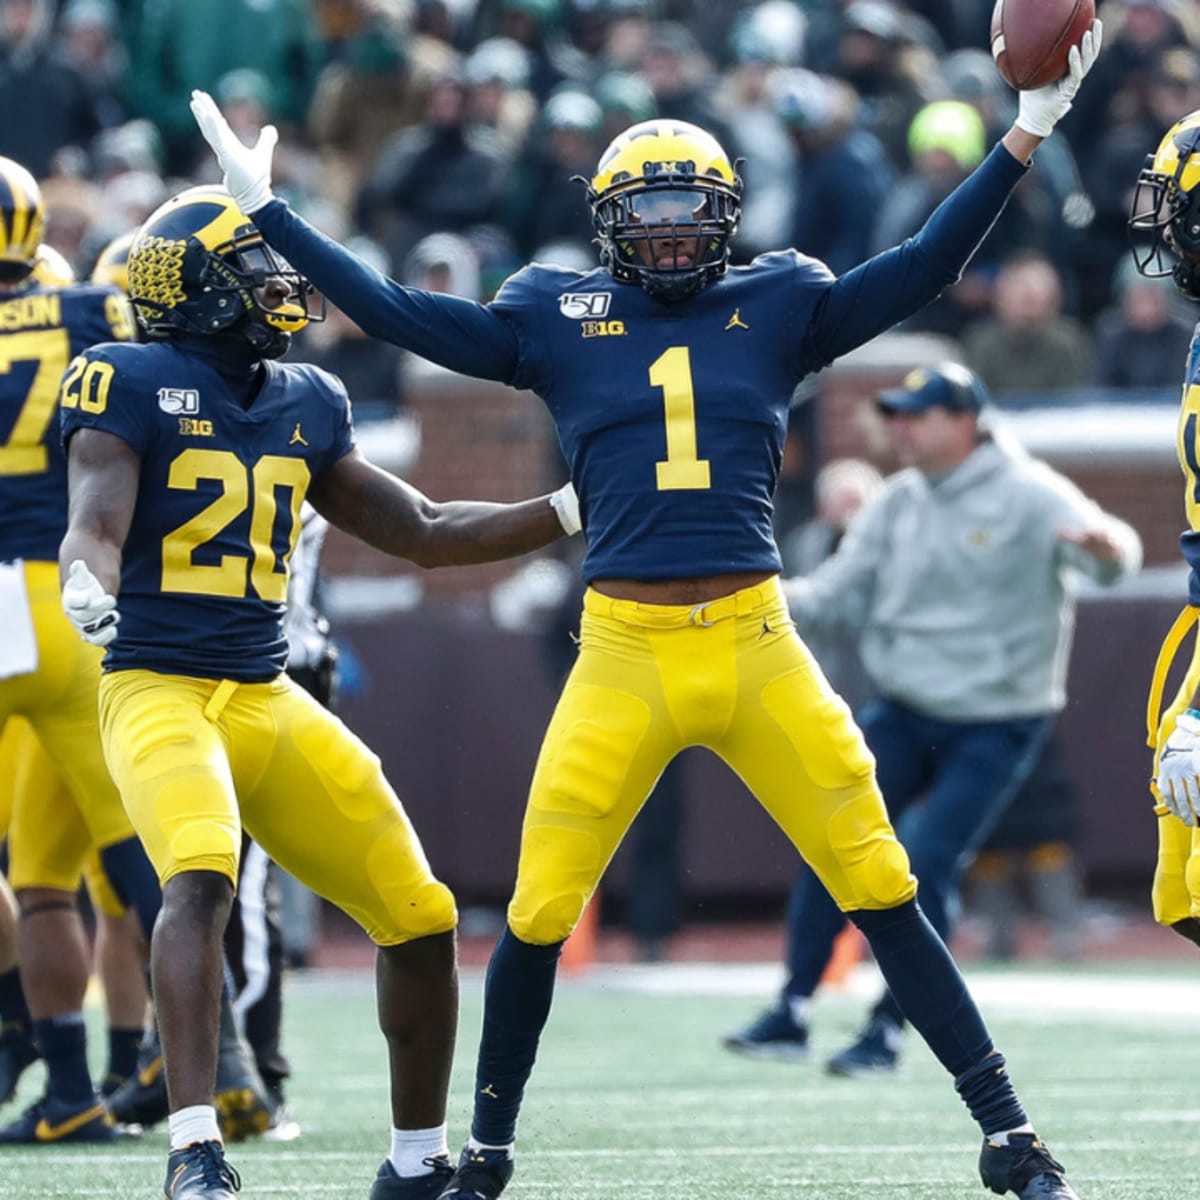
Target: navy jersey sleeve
pixel 884 290
pixel 100 391
pixel 459 334
pixel 519 302
pixel 332 393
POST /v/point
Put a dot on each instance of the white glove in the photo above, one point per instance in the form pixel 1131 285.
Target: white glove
pixel 1178 781
pixel 88 606
pixel 247 168
pixel 566 504
pixel 1040 110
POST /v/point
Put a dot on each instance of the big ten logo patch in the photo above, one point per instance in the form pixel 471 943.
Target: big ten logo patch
pixel 603 328
pixel 190 427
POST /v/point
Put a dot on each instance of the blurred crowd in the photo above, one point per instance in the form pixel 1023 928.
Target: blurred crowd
pixel 443 137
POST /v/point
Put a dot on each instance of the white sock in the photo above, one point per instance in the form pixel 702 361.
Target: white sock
pixel 798 1007
pixel 195 1124
pixel 411 1147
pixel 472 1144
pixel 1001 1139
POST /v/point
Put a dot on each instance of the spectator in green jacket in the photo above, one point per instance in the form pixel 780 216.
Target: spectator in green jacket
pixel 183 45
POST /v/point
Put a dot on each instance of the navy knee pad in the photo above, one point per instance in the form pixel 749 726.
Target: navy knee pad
pixel 132 878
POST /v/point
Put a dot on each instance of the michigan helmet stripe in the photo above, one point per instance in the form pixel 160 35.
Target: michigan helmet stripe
pixel 21 215
pixel 7 205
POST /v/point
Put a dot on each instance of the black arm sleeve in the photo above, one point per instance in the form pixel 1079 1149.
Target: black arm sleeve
pixel 886 289
pixel 463 335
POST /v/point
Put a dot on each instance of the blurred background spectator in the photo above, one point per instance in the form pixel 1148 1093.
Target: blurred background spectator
pixel 1027 344
pixel 844 172
pixel 1143 338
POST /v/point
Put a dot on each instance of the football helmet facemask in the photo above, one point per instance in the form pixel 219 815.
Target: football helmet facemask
pixel 1164 215
pixel 22 221
pixel 198 265
pixel 663 182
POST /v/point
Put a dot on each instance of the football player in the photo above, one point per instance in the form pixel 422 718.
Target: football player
pixel 138 1097
pixel 47 676
pixel 190 458
pixel 1164 225
pixel 668 377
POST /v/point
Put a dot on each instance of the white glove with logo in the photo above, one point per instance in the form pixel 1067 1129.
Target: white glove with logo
pixel 1039 110
pixel 88 606
pixel 247 168
pixel 1178 780
pixel 566 504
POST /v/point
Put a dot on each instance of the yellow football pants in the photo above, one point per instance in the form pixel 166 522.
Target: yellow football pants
pixel 52 829
pixel 196 759
pixel 731 675
pixel 1175 893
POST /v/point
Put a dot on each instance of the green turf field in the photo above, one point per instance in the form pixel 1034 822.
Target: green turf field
pixel 634 1099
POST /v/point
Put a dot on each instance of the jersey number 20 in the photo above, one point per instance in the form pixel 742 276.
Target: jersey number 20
pixel 240 489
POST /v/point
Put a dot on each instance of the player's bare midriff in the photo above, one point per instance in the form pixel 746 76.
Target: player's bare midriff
pixel 679 591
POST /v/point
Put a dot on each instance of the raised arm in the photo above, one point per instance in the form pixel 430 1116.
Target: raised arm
pixel 884 290
pixel 463 335
pixel 393 516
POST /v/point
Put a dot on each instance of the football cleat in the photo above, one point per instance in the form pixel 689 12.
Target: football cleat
pixel 54 1122
pixel 200 1172
pixel 243 1108
pixel 773 1035
pixel 877 1051
pixel 142 1098
pixel 17 1052
pixel 1024 1167
pixel 390 1186
pixel 480 1175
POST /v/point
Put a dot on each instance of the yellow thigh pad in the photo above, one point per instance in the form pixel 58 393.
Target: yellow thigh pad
pixel 322 809
pixel 171 766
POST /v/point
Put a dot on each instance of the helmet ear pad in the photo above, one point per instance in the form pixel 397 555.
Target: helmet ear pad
pixel 230 299
pixel 1185 225
pixel 1186 274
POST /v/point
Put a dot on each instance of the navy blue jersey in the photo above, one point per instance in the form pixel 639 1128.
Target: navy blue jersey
pixel 41 330
pixel 1189 460
pixel 205 565
pixel 671 418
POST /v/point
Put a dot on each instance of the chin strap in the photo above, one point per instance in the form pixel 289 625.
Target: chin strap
pixel 671 289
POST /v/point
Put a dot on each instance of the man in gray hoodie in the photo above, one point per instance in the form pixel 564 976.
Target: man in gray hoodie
pixel 959 578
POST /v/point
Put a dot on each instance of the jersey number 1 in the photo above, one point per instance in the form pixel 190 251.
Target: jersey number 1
pixel 672 371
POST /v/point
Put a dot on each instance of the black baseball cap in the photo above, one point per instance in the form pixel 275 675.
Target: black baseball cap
pixel 949 385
